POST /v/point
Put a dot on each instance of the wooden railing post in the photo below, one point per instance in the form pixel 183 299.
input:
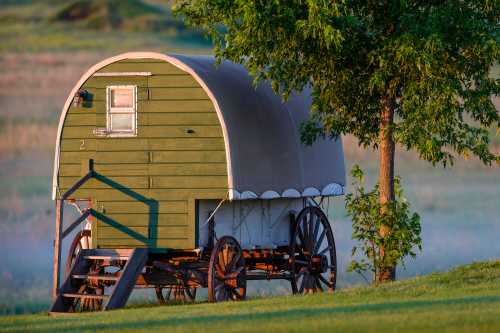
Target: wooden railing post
pixel 57 249
pixel 59 227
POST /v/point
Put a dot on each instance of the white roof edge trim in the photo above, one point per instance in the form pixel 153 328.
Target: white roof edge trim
pixel 136 55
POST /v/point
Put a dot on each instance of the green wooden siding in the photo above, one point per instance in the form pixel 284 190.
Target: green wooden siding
pixel 149 182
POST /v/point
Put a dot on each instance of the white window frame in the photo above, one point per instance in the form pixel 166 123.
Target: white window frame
pixel 116 110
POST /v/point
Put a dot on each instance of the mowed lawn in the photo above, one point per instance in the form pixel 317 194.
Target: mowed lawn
pixel 466 299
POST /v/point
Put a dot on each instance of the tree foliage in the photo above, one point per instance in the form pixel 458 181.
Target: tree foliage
pixel 429 59
pixel 364 209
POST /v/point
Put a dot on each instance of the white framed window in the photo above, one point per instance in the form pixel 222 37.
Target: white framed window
pixel 121 111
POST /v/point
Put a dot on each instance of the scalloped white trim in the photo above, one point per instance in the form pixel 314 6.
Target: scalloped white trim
pixel 248 195
pixel 291 193
pixel 311 192
pixel 270 195
pixel 332 189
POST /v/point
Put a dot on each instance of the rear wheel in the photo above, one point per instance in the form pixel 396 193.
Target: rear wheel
pixel 313 257
pixel 176 294
pixel 90 288
pixel 226 272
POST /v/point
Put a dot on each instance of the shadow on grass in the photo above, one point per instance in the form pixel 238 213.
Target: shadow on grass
pixel 298 313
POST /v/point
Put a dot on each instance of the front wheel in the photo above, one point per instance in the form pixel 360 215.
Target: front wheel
pixel 313 257
pixel 226 272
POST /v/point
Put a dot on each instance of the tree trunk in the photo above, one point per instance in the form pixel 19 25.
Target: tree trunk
pixel 386 178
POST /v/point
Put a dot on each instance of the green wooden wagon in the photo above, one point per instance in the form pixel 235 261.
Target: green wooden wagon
pixel 185 175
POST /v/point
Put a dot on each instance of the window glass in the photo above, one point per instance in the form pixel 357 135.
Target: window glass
pixel 122 122
pixel 122 97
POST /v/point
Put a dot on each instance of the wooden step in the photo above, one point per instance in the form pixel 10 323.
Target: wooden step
pixel 124 283
pixel 92 296
pixel 107 254
pixel 103 277
pixel 107 258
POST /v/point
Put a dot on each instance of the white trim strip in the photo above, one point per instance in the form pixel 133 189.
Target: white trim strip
pixel 124 74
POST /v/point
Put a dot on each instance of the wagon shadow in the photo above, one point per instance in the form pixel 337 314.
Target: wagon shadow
pixel 152 204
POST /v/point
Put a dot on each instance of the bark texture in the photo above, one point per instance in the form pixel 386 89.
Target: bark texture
pixel 386 178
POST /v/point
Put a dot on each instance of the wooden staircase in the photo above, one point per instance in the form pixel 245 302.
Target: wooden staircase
pixel 120 284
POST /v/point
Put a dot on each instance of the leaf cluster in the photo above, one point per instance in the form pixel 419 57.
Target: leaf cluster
pixel 369 216
pixel 430 59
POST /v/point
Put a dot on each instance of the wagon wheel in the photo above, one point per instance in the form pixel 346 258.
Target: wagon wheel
pixel 81 241
pixel 313 258
pixel 89 288
pixel 226 271
pixel 175 293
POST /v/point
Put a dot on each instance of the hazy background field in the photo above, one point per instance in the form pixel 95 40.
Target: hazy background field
pixel 44 48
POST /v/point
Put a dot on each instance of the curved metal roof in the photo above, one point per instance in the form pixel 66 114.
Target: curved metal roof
pixel 265 158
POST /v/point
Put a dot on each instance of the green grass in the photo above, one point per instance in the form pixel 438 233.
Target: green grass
pixel 466 299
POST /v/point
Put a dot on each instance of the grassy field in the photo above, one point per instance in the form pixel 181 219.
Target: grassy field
pixel 465 299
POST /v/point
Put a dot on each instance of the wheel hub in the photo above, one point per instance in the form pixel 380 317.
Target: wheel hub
pixel 319 264
pixel 234 279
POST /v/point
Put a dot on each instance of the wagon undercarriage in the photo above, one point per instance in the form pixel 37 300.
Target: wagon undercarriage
pixel 103 279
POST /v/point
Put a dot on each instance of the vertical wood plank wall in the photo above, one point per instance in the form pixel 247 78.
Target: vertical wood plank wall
pixel 149 182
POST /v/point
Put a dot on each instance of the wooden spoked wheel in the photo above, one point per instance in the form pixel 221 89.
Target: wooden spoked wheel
pixel 81 241
pixel 313 258
pixel 226 272
pixel 175 294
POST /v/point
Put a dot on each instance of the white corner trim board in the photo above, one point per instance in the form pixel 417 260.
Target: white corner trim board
pixel 136 55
